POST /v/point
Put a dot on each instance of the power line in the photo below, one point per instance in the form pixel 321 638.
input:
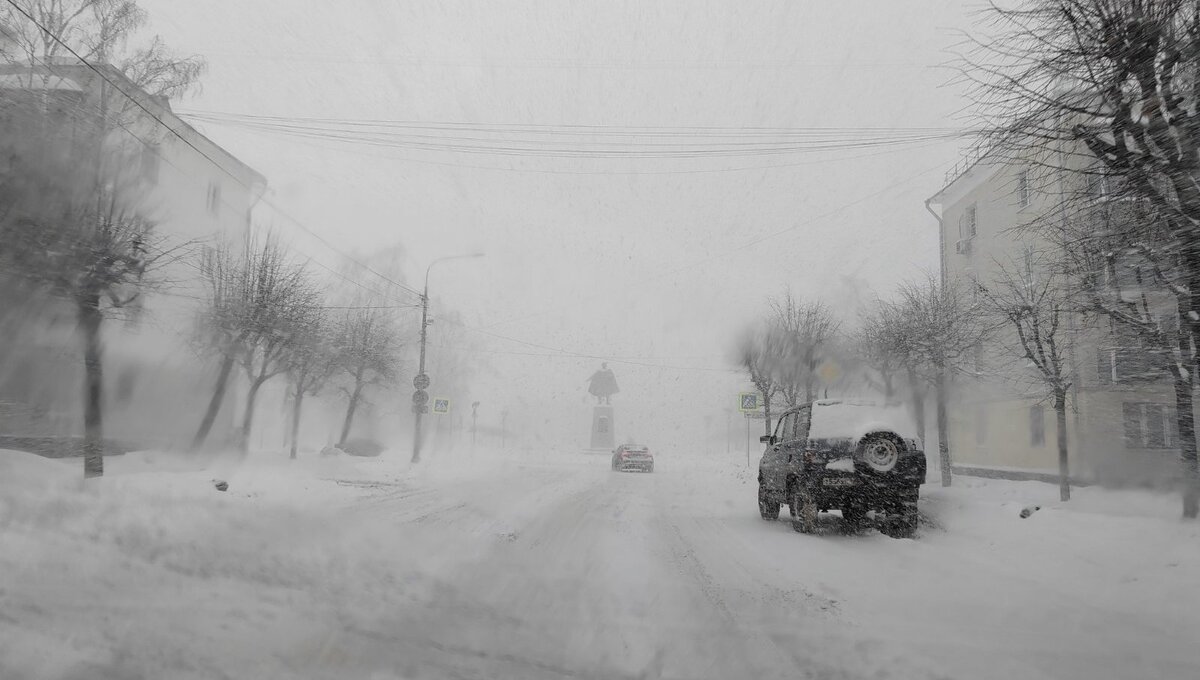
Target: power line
pixel 571 64
pixel 543 141
pixel 607 172
pixel 563 128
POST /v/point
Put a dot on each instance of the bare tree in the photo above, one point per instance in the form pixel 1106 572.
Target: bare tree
pixel 247 288
pixel 1034 305
pixel 286 299
pixel 883 344
pixel 757 353
pixel 1107 88
pixel 311 360
pixel 100 31
pixel 942 329
pixel 92 249
pixel 801 334
pixel 257 303
pixel 369 355
pixel 223 323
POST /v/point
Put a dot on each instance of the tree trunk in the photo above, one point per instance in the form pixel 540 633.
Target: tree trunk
pixel 918 403
pixel 93 387
pixel 248 416
pixel 296 405
pixel 942 426
pixel 767 413
pixel 1186 421
pixel 1064 470
pixel 354 397
pixel 214 403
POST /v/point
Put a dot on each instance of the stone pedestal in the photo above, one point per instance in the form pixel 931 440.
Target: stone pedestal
pixel 603 428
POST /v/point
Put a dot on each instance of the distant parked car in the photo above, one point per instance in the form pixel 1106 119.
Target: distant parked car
pixel 854 456
pixel 632 457
pixel 366 448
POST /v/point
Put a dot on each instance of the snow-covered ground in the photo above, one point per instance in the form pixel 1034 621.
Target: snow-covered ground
pixel 550 565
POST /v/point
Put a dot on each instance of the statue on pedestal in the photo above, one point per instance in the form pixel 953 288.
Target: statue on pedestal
pixel 603 384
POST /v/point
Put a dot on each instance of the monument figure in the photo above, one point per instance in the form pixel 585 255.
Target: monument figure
pixel 603 384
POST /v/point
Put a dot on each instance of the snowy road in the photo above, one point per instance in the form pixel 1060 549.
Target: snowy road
pixel 555 567
pixel 614 575
pixel 570 570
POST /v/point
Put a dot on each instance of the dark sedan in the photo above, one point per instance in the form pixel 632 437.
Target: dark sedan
pixel 632 457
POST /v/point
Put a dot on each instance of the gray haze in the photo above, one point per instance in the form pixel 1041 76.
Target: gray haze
pixel 639 259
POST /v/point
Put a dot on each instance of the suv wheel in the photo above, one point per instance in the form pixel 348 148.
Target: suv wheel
pixel 880 451
pixel 854 515
pixel 901 521
pixel 804 510
pixel 766 507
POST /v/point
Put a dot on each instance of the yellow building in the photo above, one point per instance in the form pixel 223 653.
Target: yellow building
pixel 1121 424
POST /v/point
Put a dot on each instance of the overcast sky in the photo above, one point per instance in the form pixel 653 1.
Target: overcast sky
pixel 654 262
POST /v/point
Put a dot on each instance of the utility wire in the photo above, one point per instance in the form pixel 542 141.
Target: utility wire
pixel 642 144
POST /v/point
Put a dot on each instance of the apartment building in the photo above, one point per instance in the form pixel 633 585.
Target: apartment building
pixel 194 192
pixel 1121 417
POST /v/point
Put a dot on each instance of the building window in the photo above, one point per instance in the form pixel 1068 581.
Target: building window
pixel 214 198
pixel 1130 359
pixel 967 223
pixel 1023 188
pixel 1037 426
pixel 1148 426
pixel 1029 279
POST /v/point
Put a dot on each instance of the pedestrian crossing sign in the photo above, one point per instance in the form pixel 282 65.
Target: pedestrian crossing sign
pixel 441 406
pixel 748 402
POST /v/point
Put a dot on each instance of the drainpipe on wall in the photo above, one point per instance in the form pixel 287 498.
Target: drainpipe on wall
pixel 941 241
pixel 941 281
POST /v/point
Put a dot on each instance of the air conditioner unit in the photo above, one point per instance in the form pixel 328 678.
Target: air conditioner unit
pixel 963 246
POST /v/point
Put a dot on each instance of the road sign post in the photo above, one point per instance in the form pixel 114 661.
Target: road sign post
pixel 752 406
pixel 747 440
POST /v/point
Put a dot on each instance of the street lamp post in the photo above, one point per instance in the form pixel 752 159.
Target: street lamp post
pixel 420 397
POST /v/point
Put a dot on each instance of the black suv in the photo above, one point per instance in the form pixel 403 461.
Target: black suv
pixel 848 455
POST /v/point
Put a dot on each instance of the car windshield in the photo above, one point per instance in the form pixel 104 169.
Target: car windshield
pixel 322 323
